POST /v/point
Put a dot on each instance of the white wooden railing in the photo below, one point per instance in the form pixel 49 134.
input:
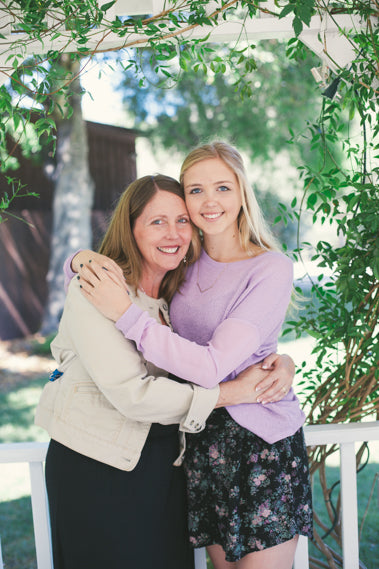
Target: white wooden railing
pixel 343 435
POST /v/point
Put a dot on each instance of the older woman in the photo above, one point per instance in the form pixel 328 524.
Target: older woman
pixel 115 485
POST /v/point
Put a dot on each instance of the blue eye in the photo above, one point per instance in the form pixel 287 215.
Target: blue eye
pixel 195 191
pixel 183 220
pixel 223 189
pixel 156 222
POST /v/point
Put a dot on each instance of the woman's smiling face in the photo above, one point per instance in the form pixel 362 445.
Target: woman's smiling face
pixel 213 196
pixel 163 232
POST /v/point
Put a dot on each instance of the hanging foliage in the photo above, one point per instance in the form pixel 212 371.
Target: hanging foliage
pixel 341 385
pixel 342 311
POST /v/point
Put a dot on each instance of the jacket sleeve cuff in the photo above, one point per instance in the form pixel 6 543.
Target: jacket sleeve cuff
pixel 203 403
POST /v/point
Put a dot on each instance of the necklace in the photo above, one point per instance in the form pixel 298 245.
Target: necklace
pixel 202 290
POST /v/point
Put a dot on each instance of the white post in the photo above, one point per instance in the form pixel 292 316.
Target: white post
pixel 301 560
pixel 200 558
pixel 1 557
pixel 41 520
pixel 350 541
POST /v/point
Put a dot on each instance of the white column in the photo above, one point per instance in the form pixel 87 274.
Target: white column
pixel 350 541
pixel 301 560
pixel 41 519
pixel 200 558
pixel 1 558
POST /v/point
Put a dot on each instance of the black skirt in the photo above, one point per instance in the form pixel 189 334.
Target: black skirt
pixel 103 517
pixel 243 493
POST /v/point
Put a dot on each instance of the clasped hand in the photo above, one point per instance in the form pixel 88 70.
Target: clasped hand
pixel 105 289
pixel 270 380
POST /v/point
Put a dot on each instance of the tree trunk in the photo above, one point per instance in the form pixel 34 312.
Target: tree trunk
pixel 72 202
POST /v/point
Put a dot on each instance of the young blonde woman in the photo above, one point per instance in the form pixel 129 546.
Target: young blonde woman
pixel 247 472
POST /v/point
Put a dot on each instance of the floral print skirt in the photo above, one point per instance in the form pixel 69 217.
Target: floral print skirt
pixel 245 494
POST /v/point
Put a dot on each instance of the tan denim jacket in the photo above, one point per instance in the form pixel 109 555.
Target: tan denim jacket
pixel 108 396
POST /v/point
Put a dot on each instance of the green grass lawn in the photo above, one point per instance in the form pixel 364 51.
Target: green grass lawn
pixel 16 531
pixel 16 528
pixel 369 543
pixel 16 525
pixel 17 413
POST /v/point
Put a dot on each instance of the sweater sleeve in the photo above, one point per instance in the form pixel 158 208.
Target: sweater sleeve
pixel 68 272
pixel 89 341
pixel 259 310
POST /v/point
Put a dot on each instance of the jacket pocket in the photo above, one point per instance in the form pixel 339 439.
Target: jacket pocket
pixel 88 409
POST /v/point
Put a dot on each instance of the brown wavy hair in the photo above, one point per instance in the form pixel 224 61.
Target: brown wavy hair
pixel 120 245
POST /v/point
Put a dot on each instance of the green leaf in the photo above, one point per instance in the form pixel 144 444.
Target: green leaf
pixel 297 25
pixel 286 10
pixel 311 201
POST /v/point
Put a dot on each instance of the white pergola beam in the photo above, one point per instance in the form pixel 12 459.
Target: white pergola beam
pixel 323 36
pixel 329 44
pixel 229 31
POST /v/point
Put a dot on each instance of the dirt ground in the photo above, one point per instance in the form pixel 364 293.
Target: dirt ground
pixel 18 363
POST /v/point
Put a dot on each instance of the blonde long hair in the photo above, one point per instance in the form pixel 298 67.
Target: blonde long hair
pixel 120 245
pixel 251 223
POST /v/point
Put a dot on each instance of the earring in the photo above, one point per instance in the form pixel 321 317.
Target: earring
pixel 184 259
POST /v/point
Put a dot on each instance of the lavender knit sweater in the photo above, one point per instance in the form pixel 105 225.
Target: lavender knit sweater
pixel 226 317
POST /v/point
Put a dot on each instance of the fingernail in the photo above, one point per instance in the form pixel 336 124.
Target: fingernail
pixel 81 264
pixel 80 286
pixel 264 366
pixel 90 261
pixel 259 400
pixel 258 388
pixel 78 277
pixel 105 269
